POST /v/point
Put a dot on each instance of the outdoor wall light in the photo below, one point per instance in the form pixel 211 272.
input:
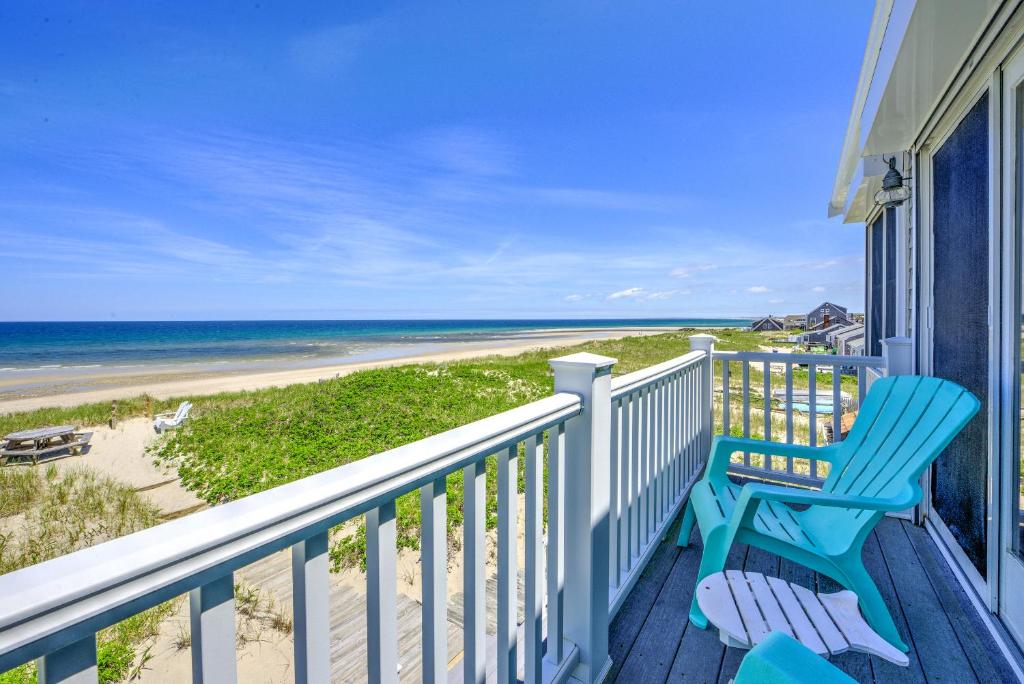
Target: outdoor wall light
pixel 893 192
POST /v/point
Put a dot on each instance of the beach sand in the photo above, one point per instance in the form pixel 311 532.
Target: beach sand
pixel 62 391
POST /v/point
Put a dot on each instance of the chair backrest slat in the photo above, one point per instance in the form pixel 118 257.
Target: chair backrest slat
pixel 904 425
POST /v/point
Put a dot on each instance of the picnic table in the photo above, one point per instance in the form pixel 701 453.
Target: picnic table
pixel 43 441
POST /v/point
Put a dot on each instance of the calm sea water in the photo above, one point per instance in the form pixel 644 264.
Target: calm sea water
pixel 33 346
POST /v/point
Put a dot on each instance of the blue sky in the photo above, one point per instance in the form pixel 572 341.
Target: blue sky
pixel 187 160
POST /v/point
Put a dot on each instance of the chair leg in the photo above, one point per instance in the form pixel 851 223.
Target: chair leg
pixel 716 549
pixel 872 605
pixel 686 528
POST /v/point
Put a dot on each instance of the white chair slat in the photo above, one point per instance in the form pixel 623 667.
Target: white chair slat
pixel 757 629
pixel 842 607
pixel 770 607
pixel 802 627
pixel 828 631
pixel 718 605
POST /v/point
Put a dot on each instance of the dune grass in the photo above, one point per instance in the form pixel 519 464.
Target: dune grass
pixel 45 514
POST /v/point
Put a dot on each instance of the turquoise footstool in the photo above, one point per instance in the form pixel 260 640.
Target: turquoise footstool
pixel 781 659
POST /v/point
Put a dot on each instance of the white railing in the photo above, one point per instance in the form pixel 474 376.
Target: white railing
pixel 659 444
pixel 620 459
pixel 778 369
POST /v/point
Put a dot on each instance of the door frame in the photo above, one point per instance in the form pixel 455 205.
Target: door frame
pixel 987 587
pixel 1011 75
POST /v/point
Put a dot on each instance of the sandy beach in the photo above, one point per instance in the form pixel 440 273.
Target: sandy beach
pixel 57 389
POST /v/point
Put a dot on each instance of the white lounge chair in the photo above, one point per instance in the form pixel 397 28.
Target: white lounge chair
pixel 167 421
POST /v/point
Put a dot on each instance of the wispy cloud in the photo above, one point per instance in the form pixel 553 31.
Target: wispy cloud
pixel 757 289
pixel 628 293
pixel 666 294
pixel 818 288
pixel 689 271
pixel 463 149
pixel 575 298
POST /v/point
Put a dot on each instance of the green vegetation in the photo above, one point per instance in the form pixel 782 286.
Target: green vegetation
pixel 245 442
pixel 45 514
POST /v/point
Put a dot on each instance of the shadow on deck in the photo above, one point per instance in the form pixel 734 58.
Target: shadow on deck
pixel 652 641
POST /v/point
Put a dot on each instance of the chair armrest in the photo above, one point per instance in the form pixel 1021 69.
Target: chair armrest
pixel 724 446
pixel 766 492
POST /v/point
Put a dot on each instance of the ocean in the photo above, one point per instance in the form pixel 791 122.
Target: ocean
pixel 124 344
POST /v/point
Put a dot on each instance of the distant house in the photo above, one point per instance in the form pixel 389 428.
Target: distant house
pixel 819 335
pixel 827 314
pixel 766 324
pixel 794 321
pixel 841 339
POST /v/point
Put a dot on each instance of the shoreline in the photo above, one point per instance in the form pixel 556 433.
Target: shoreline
pixel 181 383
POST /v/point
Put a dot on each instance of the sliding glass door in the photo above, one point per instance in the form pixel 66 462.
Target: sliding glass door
pixel 960 349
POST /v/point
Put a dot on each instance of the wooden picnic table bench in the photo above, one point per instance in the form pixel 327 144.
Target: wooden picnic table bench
pixel 43 441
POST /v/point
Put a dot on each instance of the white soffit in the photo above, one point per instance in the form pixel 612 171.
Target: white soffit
pixel 913 51
pixel 936 40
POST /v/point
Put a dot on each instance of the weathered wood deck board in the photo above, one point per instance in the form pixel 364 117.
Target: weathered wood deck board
pixel 935 642
pixel 948 642
pixel 884 670
pixel 988 666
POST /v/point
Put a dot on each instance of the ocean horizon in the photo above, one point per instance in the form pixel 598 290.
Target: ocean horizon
pixel 34 346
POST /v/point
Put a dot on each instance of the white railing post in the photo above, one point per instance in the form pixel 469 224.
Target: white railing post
pixel 587 460
pixel 72 664
pixel 898 353
pixel 311 593
pixel 705 343
pixel 212 612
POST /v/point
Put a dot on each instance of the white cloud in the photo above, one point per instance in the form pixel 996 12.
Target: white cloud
pixel 776 301
pixel 819 288
pixel 629 292
pixel 667 294
pixel 688 271
pixel 575 298
pixel 757 289
pixel 828 263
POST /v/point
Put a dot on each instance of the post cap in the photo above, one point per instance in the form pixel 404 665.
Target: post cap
pixel 702 341
pixel 583 360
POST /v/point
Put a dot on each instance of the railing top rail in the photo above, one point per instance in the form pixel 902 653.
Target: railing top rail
pixel 817 359
pixel 44 599
pixel 631 382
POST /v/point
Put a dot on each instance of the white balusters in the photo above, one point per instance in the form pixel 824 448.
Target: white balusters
pixel 474 579
pixel 212 612
pixel 508 471
pixel 627 476
pixel 381 594
pixel 311 591
pixel 534 606
pixel 614 490
pixel 636 469
pixel 74 663
pixel 837 405
pixel 434 564
pixel 556 544
pixel 746 408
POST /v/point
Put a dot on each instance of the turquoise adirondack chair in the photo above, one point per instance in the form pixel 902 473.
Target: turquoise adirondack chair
pixel 903 426
pixel 781 659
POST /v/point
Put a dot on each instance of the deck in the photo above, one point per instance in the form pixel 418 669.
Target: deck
pixel 651 640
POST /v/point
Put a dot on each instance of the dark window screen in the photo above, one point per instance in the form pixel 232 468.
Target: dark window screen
pixel 960 337
pixel 890 273
pixel 875 321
